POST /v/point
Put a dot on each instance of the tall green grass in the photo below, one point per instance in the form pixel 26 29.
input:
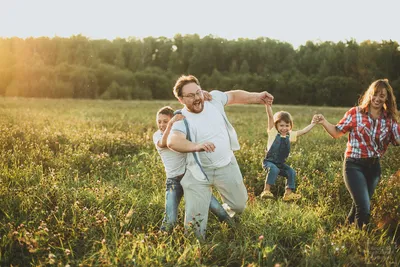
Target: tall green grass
pixel 82 184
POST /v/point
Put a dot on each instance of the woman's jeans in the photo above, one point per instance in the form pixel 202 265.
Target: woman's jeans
pixel 280 169
pixel 173 196
pixel 361 177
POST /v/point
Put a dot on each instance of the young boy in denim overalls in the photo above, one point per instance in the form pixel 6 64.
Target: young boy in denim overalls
pixel 280 135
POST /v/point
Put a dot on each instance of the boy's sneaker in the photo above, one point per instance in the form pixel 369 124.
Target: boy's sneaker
pixel 291 196
pixel 266 194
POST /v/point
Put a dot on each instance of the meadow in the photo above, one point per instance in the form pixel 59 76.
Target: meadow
pixel 81 184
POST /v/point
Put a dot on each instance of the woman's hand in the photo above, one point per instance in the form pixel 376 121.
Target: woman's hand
pixel 318 118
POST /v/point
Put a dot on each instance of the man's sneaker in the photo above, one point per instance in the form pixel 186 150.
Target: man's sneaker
pixel 291 196
pixel 266 194
pixel 228 210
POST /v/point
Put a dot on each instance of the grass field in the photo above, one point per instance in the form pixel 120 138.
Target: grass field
pixel 81 184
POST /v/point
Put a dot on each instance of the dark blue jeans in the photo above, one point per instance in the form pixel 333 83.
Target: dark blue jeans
pixel 361 177
pixel 173 196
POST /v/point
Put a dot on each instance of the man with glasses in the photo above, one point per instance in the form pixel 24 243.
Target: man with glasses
pixel 212 140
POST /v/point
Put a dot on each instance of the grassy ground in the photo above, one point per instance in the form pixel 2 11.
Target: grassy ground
pixel 82 184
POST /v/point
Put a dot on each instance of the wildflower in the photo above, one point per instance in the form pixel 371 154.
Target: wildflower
pixel 261 237
pixel 67 252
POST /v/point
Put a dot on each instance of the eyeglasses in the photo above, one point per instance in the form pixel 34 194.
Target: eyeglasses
pixel 199 93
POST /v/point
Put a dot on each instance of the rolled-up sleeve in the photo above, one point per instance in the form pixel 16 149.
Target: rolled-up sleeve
pixel 347 122
pixel 395 133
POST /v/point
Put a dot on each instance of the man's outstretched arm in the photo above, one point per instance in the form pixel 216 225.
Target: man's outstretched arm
pixel 244 97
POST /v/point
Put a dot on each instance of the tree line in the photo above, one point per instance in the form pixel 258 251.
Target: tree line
pixel 324 73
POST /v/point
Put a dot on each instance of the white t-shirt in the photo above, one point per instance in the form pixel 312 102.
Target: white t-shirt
pixel 209 126
pixel 174 162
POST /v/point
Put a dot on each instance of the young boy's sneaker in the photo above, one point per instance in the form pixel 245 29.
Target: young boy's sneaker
pixel 266 194
pixel 291 196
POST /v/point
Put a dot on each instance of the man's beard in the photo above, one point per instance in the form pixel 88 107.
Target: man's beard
pixel 197 106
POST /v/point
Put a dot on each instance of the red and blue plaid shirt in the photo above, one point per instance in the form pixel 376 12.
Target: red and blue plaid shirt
pixel 368 137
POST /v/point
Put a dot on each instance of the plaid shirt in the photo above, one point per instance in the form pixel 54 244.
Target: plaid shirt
pixel 368 137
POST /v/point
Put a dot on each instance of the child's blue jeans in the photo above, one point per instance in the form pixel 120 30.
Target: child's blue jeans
pixel 173 196
pixel 280 169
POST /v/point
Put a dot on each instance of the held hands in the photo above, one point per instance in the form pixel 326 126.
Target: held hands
pixel 265 98
pixel 318 118
pixel 206 147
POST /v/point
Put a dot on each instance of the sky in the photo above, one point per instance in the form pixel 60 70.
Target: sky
pixel 292 21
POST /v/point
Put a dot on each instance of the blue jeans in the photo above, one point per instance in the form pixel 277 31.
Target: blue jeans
pixel 361 177
pixel 279 169
pixel 173 196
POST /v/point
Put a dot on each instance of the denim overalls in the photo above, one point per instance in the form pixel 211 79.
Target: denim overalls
pixel 274 161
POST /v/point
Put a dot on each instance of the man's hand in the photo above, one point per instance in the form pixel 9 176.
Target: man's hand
pixel 206 147
pixel 265 98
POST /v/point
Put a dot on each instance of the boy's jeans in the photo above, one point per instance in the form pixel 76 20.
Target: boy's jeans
pixel 173 196
pixel 361 176
pixel 283 169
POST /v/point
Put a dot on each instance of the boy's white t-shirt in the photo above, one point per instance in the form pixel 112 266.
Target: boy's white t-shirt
pixel 274 132
pixel 209 126
pixel 174 162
